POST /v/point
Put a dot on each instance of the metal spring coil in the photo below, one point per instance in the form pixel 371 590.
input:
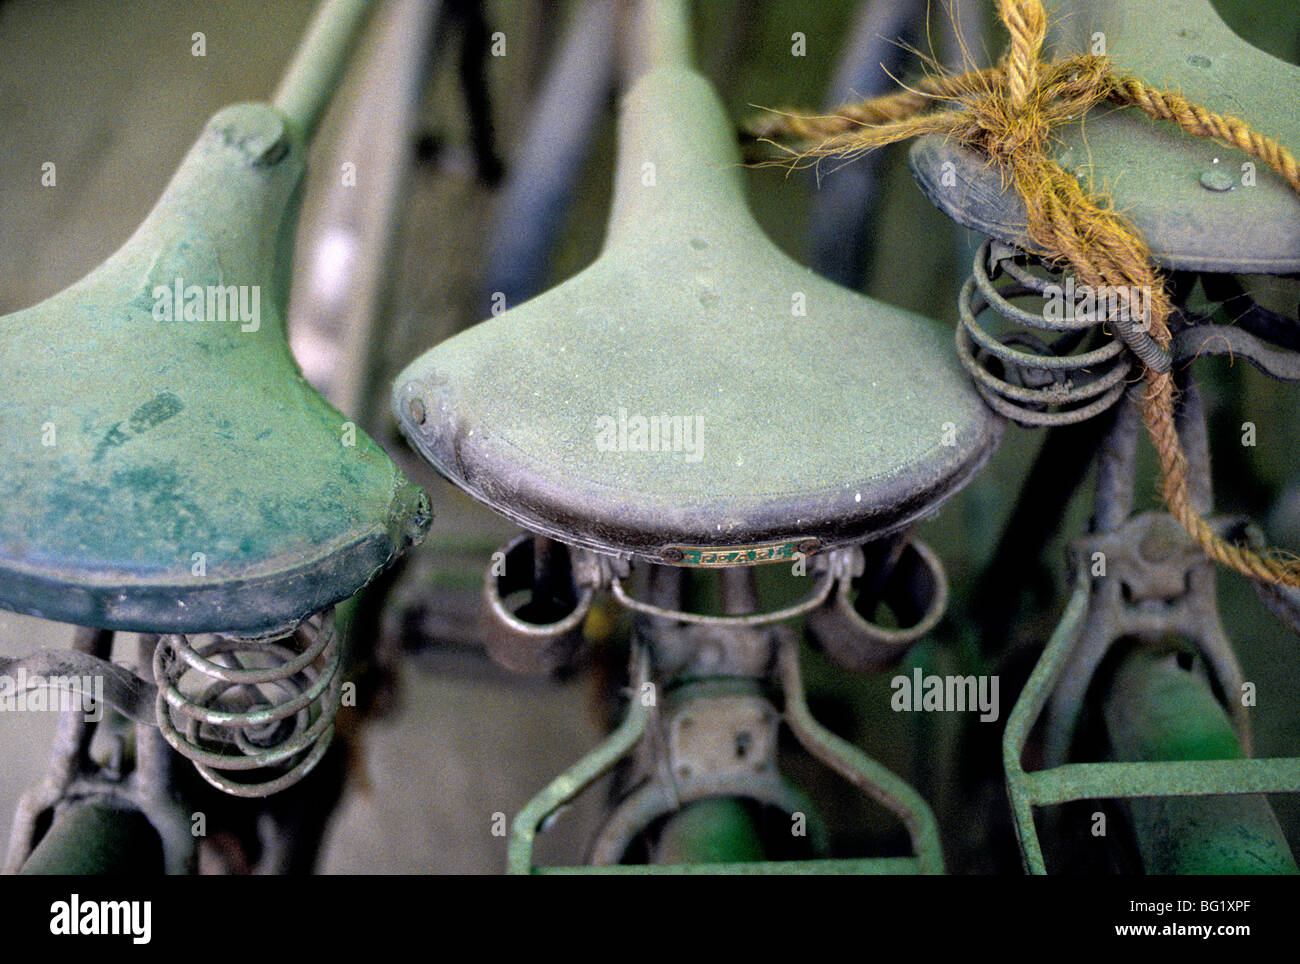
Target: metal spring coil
pixel 1043 383
pixel 251 718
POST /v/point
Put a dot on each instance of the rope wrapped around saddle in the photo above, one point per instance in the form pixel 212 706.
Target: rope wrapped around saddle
pixel 1008 113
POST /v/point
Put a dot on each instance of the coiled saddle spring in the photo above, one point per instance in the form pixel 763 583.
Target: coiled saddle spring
pixel 235 703
pixel 1022 374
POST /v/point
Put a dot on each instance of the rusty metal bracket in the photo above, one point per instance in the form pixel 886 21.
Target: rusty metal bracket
pixel 748 774
pixel 720 742
pixel 1153 586
pixel 543 634
pixel 916 588
pixel 833 568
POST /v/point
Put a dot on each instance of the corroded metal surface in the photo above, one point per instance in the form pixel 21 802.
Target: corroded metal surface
pixel 541 635
pixel 79 796
pixel 719 743
pixel 1140 581
pixel 233 705
pixel 911 581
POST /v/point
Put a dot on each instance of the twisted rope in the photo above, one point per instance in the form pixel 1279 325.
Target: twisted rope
pixel 1007 113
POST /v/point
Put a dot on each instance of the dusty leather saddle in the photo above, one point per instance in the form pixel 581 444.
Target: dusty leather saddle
pixel 166 467
pixel 695 396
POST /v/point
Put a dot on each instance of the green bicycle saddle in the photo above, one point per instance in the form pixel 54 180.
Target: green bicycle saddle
pixel 695 396
pixel 1192 198
pixel 166 467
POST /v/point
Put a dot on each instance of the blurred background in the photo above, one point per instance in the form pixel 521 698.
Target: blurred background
pixel 114 95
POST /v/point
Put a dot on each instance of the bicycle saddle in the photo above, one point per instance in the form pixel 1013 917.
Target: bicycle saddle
pixel 1189 197
pixel 167 467
pixel 672 402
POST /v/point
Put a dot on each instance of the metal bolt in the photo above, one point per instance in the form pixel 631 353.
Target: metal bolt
pixel 1216 179
pixel 809 546
pixel 416 408
pixel 259 136
pixel 672 554
pixel 268 151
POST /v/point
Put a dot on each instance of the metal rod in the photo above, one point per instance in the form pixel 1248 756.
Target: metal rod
pixel 815 598
pixel 475 40
pixel 1181 778
pixel 318 64
pixel 873 779
pixel 659 36
pixel 562 122
pixel 1029 706
pixel 739 593
pixel 153 757
pixel 567 786
pixel 343 281
pixel 841 238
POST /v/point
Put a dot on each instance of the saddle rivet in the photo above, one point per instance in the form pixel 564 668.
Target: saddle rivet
pixel 672 555
pixel 809 546
pixel 416 408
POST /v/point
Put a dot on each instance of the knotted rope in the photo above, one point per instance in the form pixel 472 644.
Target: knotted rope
pixel 1007 113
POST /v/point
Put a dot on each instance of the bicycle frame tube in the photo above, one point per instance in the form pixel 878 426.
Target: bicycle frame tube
pixel 1154 710
pixel 90 837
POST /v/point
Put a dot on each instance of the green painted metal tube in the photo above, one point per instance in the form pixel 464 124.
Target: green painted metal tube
pixel 1154 710
pixel 1128 779
pixel 566 787
pixel 318 64
pixel 719 830
pixel 846 759
pixel 96 838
